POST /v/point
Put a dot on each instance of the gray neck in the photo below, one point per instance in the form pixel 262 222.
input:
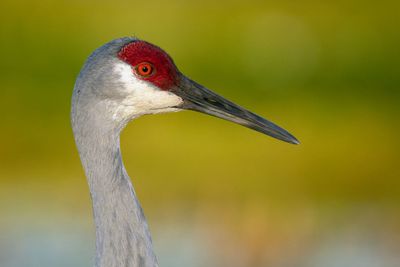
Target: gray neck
pixel 122 234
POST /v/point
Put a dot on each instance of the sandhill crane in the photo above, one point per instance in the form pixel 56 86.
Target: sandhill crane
pixel 120 81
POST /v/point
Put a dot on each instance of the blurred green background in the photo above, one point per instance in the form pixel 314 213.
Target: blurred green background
pixel 215 194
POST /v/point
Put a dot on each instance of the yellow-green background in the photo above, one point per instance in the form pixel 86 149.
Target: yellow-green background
pixel 215 194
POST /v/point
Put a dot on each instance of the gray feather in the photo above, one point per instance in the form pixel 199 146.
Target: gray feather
pixel 122 234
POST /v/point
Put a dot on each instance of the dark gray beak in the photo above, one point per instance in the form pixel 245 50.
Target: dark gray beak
pixel 199 98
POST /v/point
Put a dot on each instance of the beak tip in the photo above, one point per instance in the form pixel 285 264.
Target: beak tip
pixel 294 141
pixel 290 139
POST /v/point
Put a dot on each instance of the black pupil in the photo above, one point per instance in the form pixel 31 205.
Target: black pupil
pixel 145 69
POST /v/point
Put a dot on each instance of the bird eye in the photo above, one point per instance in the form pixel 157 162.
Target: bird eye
pixel 144 69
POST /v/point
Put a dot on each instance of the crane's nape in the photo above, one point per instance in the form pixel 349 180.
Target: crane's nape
pixel 122 80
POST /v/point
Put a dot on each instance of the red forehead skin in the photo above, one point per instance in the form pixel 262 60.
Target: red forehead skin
pixel 165 73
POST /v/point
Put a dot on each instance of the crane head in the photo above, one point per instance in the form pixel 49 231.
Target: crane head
pixel 146 81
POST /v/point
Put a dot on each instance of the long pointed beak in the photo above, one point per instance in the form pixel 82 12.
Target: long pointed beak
pixel 197 97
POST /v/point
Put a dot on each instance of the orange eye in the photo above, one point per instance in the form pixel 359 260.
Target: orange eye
pixel 144 69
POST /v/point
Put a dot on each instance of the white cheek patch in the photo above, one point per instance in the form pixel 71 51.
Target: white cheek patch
pixel 142 97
